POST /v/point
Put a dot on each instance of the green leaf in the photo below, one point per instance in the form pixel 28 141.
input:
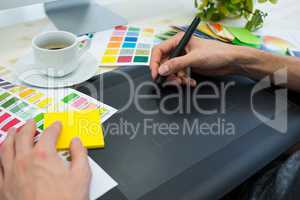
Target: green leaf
pixel 249 5
pixel 256 21
pixel 273 1
pixel 196 3
pixel 235 1
pixel 216 10
pixel 224 10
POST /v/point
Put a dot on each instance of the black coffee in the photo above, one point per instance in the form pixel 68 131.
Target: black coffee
pixel 55 46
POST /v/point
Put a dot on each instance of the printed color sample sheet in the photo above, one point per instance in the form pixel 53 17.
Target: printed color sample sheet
pixel 19 103
pixel 124 45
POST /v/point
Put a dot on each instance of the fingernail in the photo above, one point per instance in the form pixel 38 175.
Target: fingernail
pixel 12 130
pixel 163 70
pixel 194 83
pixel 76 140
pixel 57 124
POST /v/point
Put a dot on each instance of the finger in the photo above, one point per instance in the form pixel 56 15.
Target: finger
pixel 167 46
pixel 1 176
pixel 79 157
pixel 188 81
pixel 156 57
pixel 182 73
pixel 160 51
pixel 175 65
pixel 49 138
pixel 8 150
pixel 24 139
pixel 174 80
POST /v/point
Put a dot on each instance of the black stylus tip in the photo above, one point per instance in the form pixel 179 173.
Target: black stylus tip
pixel 160 80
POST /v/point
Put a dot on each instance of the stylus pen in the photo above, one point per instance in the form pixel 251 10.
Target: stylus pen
pixel 181 46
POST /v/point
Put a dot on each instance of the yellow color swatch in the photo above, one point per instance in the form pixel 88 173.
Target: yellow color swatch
pixel 26 93
pixel 149 30
pixel 109 59
pixel 35 98
pixel 147 34
pixel 84 124
pixel 111 51
pixel 44 103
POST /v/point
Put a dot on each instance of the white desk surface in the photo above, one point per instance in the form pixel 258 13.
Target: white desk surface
pixel 19 26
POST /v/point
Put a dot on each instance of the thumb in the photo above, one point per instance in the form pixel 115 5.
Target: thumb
pixel 79 157
pixel 174 65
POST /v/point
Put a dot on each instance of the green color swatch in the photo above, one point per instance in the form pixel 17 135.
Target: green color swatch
pixel 70 97
pixel 133 29
pixel 142 59
pixel 19 107
pixel 4 96
pixel 10 102
pixel 39 117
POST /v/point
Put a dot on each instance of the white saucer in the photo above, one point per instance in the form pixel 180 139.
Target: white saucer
pixel 27 72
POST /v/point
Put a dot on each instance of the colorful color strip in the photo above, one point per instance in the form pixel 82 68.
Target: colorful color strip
pixel 10 102
pixel 70 97
pixel 10 124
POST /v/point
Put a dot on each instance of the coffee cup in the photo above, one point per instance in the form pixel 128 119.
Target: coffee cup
pixel 57 53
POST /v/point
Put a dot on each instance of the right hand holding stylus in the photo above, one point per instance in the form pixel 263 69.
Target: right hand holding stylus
pixel 205 57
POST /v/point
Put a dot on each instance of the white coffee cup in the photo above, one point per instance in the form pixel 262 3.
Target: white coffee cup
pixel 57 53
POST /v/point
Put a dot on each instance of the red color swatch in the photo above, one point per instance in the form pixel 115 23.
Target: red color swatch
pixel 4 117
pixel 10 124
pixel 124 59
pixel 121 28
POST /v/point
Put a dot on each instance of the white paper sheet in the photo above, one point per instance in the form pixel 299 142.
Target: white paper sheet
pixel 101 181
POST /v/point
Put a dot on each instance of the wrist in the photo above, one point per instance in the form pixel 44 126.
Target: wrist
pixel 245 58
pixel 255 63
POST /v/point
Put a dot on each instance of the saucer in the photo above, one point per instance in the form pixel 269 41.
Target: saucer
pixel 28 72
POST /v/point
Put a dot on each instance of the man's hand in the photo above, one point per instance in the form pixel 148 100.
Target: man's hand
pixel 35 171
pixel 206 57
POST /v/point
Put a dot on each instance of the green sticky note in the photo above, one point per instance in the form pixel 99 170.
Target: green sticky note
pixel 237 42
pixel 245 36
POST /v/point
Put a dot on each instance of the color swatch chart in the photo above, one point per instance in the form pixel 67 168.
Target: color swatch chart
pixel 69 99
pixel 125 45
pixel 19 104
pixel 276 45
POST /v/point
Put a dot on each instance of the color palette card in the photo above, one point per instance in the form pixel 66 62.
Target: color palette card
pixel 276 45
pixel 20 103
pixel 124 45
pixel 70 99
pixel 221 31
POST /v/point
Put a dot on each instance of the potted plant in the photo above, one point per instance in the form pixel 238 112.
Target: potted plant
pixel 216 10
